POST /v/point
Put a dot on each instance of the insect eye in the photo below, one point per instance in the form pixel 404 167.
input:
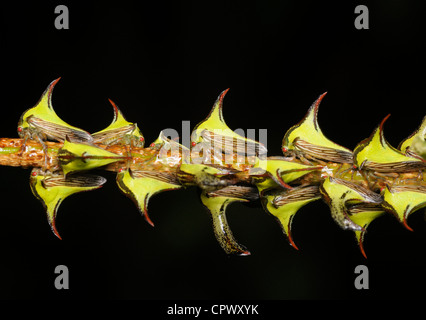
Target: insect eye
pixel 141 139
pixel 152 145
pixel 193 144
pixel 34 173
pixel 20 129
pixel 285 149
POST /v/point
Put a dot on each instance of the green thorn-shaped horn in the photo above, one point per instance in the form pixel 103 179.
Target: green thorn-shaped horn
pixel 339 194
pixel 283 171
pixel 213 121
pixel 307 137
pixel 52 190
pixel 363 214
pixel 43 120
pixel 286 204
pixel 79 157
pixel 215 131
pixel 140 186
pixel 375 153
pixel 216 202
pixel 415 144
pixel 403 200
pixel 120 130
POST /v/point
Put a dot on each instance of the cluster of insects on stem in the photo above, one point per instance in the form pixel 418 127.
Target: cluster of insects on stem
pixel 358 185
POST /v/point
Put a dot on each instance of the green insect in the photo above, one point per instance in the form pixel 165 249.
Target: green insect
pixel 403 200
pixel 307 140
pixel 340 195
pixel 376 154
pixel 120 131
pixel 53 189
pixel 363 214
pixel 215 132
pixel 74 157
pixel 415 144
pixel 141 185
pixel 216 202
pixel 284 204
pixel 41 123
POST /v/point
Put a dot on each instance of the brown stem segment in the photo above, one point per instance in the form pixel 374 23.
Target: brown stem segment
pixel 32 156
pixel 13 154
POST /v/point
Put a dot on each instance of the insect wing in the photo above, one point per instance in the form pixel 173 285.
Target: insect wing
pixel 59 132
pixel 322 152
pixel 51 191
pixel 140 186
pixel 233 144
pixel 112 136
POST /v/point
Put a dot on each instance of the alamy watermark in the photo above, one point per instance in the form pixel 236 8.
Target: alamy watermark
pixel 216 146
pixel 62 280
pixel 62 20
pixel 361 21
pixel 361 281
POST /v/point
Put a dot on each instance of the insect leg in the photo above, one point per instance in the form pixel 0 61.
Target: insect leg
pixel 342 173
pixel 43 145
pixel 420 175
pixel 338 169
pixel 24 144
pixel 304 159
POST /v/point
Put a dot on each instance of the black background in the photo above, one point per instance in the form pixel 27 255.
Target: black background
pixel 164 62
